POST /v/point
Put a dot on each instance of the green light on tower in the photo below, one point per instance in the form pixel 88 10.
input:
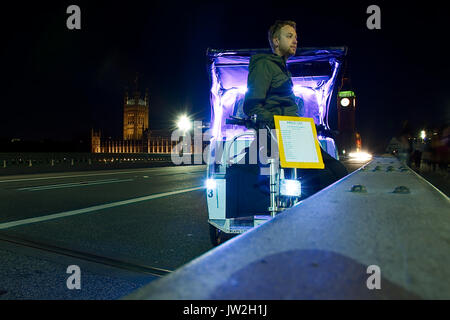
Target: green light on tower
pixel 346 94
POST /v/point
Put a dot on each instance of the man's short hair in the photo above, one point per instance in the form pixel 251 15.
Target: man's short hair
pixel 274 30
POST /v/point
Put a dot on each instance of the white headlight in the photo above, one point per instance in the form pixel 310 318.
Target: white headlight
pixel 291 188
pixel 210 184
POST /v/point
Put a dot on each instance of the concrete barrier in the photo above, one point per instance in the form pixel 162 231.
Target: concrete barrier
pixel 382 232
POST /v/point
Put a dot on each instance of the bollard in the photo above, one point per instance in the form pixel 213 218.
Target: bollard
pixel 358 188
pixel 30 164
pixel 71 162
pixel 4 163
pixel 53 162
pixel 90 161
pixel 402 190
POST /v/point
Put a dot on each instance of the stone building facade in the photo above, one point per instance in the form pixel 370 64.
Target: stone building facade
pixel 137 137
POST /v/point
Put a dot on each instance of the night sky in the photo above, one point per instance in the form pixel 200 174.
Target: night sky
pixel 58 83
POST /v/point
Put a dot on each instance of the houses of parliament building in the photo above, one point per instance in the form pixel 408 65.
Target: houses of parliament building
pixel 137 137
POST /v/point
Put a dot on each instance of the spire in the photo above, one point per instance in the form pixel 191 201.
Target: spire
pixel 136 91
pixel 346 84
pixel 136 81
pixel 146 97
pixel 126 95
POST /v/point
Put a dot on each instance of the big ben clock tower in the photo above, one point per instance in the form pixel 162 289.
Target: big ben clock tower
pixel 349 139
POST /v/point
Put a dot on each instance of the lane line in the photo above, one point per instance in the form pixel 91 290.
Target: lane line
pixel 65 184
pixel 72 185
pixel 71 176
pixel 149 170
pixel 93 208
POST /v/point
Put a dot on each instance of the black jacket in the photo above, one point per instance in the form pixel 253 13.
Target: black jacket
pixel 270 89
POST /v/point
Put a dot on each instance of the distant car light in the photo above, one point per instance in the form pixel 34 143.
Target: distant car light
pixel 360 156
pixel 290 188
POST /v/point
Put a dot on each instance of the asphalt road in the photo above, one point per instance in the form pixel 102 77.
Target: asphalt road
pixel 163 231
pixel 156 218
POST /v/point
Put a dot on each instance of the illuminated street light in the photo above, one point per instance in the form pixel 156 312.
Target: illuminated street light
pixel 184 123
pixel 423 134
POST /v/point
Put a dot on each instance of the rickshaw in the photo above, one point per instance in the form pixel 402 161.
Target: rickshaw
pixel 234 204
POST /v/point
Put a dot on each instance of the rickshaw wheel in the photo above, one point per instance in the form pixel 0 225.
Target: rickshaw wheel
pixel 217 236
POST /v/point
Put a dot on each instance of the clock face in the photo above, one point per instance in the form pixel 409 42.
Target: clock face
pixel 345 102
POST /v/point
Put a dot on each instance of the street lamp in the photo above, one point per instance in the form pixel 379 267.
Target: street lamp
pixel 423 134
pixel 184 124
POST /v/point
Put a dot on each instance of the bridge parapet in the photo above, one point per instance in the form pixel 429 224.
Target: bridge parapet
pixel 381 216
pixel 33 162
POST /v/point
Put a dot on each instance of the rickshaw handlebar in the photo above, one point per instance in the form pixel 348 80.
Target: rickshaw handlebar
pixel 247 122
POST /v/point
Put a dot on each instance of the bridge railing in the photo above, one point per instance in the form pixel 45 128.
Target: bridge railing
pixel 23 163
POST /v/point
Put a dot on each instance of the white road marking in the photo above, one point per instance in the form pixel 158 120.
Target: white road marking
pixel 149 170
pixel 72 185
pixel 93 208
